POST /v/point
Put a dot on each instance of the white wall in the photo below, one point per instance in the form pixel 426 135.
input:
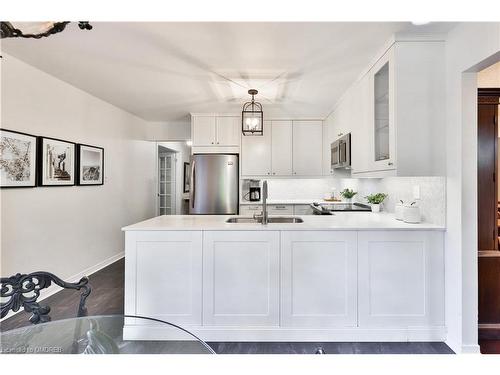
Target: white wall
pixel 169 131
pixel 66 230
pixel 470 47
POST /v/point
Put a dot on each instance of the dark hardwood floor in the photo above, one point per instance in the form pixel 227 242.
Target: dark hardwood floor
pixel 107 298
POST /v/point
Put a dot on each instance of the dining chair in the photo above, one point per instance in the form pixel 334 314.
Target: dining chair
pixel 23 290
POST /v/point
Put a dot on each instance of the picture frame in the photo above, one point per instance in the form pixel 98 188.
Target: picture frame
pixel 18 159
pixel 90 165
pixel 56 162
pixel 187 177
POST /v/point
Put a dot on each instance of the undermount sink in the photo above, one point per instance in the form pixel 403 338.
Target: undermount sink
pixel 285 220
pixel 271 220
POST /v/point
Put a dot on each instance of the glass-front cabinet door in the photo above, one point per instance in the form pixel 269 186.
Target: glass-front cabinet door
pixel 383 113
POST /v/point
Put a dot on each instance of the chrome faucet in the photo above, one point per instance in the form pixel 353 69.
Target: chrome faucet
pixel 264 215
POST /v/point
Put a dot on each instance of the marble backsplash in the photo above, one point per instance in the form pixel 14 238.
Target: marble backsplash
pixel 432 191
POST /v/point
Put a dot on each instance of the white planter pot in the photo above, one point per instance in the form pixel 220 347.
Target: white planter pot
pixel 348 200
pixel 375 207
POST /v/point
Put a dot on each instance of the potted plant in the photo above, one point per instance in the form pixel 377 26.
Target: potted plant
pixel 375 200
pixel 347 194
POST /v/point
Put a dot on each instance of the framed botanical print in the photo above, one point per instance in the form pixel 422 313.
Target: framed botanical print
pixel 18 154
pixel 56 162
pixel 90 165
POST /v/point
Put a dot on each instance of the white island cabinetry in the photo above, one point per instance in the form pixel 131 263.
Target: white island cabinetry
pixel 318 279
pixel 163 275
pixel 348 277
pixel 241 278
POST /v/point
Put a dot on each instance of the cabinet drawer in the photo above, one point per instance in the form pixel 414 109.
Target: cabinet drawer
pixel 280 209
pixel 250 209
pixel 302 209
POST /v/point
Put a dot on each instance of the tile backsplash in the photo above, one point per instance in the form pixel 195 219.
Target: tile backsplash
pixel 432 191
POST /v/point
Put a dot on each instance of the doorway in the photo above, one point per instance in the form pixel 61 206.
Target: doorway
pixel 488 209
pixel 172 177
pixel 166 181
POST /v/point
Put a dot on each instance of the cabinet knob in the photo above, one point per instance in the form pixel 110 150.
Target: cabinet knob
pixel 268 172
pixel 274 172
pixel 390 163
pixel 217 142
pixel 212 143
pixel 294 172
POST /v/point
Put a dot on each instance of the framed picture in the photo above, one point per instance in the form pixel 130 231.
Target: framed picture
pixel 90 162
pixel 56 162
pixel 18 153
pixel 187 177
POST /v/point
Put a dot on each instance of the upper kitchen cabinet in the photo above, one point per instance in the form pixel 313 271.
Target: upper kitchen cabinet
pixel 256 153
pixel 307 148
pixel 281 148
pixel 287 148
pixel 396 112
pixel 215 133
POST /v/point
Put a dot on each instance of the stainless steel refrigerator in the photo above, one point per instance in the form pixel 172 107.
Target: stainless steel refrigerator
pixel 214 184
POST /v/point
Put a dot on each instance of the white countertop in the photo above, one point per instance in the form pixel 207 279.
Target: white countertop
pixel 338 221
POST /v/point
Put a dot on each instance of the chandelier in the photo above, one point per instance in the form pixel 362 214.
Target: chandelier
pixel 252 117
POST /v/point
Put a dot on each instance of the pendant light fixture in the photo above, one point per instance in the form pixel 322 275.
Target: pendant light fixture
pixel 252 117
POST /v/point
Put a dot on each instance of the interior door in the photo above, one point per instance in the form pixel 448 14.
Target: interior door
pixel 487 189
pixel 487 137
pixel 166 183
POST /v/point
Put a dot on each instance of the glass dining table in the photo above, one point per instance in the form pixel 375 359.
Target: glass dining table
pixel 98 335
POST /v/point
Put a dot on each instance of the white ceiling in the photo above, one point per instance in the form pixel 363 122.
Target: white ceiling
pixel 163 71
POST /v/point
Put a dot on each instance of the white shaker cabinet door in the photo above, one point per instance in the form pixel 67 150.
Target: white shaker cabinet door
pixel 163 275
pixel 307 148
pixel 241 278
pixel 228 130
pixel 256 153
pixel 204 130
pixel 401 281
pixel 318 279
pixel 281 148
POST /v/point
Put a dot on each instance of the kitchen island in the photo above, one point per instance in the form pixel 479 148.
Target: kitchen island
pixel 353 276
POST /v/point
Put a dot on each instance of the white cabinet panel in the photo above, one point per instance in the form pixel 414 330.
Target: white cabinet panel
pixel 256 153
pixel 250 209
pixel 241 278
pixel 401 279
pixel 307 148
pixel 164 270
pixel 204 130
pixel 319 272
pixel 362 151
pixel 281 149
pixel 228 131
pixel 280 209
pixel 302 209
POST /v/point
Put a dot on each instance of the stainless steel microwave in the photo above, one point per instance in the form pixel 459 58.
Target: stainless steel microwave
pixel 341 152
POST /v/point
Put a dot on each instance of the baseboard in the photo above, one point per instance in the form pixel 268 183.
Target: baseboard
pixel 159 332
pixel 471 349
pixel 53 289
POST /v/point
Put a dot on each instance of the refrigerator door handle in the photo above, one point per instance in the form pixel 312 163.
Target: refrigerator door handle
pixel 193 183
